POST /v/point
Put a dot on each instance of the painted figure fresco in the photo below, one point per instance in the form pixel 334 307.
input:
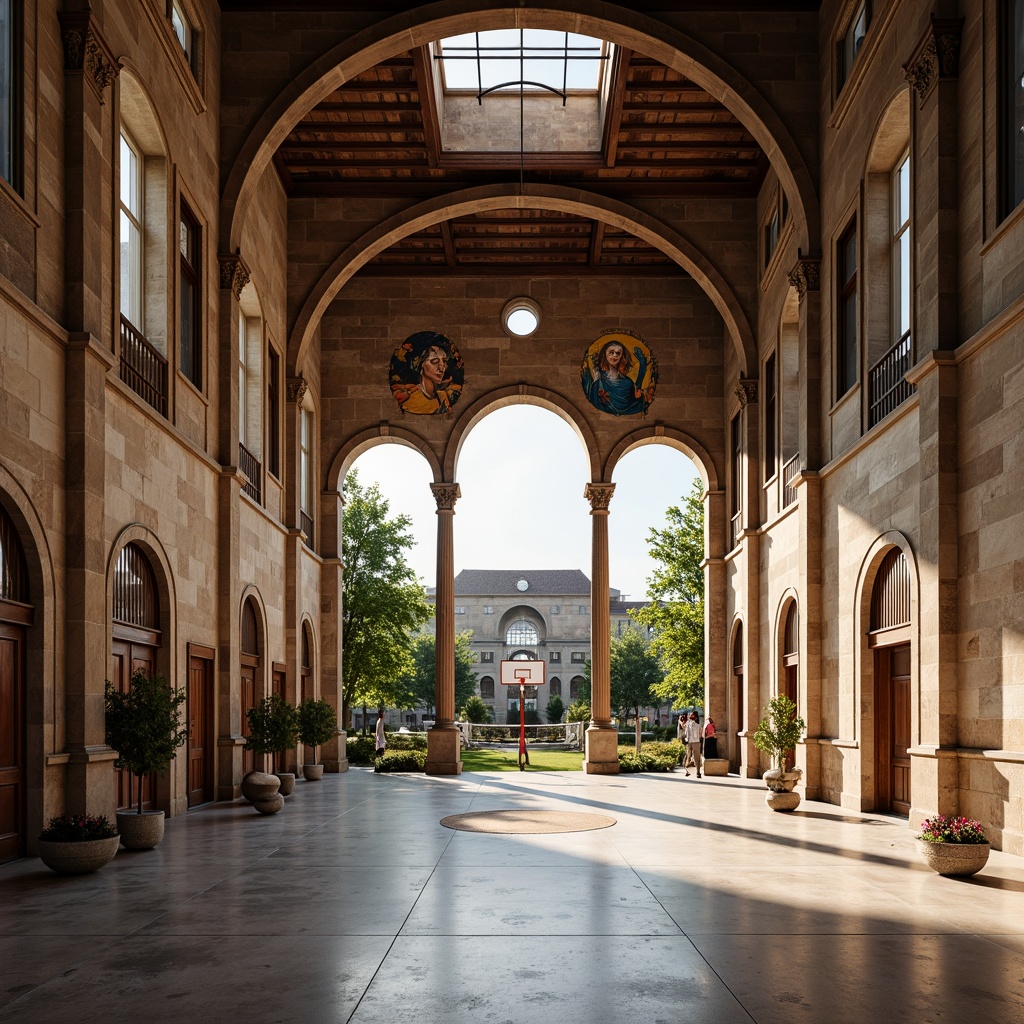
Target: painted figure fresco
pixel 619 374
pixel 426 374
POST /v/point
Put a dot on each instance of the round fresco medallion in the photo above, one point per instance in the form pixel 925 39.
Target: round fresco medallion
pixel 426 374
pixel 619 374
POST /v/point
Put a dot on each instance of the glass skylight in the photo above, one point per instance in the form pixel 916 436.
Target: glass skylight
pixel 502 60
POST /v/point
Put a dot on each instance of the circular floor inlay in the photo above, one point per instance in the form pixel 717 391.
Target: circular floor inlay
pixel 523 822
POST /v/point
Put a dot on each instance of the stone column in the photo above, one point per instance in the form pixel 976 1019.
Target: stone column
pixel 933 71
pixel 443 753
pixel 602 755
pixel 805 277
pixel 234 275
pixel 716 628
pixel 332 504
pixel 89 70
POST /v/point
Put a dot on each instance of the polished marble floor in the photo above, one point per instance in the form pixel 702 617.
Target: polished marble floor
pixel 354 904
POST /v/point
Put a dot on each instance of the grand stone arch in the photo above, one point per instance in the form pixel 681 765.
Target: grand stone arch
pixel 534 197
pixel 678 51
pixel 352 447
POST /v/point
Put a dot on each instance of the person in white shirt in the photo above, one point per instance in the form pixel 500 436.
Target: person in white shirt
pixel 381 741
pixel 692 735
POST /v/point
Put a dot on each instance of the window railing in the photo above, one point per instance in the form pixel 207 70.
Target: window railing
pixel 250 466
pixel 306 522
pixel 789 471
pixel 736 528
pixel 887 384
pixel 143 369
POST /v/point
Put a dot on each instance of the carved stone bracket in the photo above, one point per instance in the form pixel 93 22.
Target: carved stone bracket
pixel 599 496
pixel 806 276
pixel 937 56
pixel 86 51
pixel 746 390
pixel 234 273
pixel 446 495
pixel 297 388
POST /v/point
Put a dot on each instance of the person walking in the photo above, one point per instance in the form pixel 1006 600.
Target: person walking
pixel 692 735
pixel 381 741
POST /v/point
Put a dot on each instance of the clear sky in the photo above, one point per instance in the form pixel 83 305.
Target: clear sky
pixel 522 471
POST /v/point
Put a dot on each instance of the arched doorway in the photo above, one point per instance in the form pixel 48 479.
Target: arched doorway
pixel 789 678
pixel 250 664
pixel 889 638
pixel 15 618
pixel 136 638
pixel 738 695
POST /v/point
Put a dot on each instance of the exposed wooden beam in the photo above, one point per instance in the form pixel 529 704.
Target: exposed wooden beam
pixel 521 268
pixel 626 188
pixel 596 242
pixel 684 145
pixel 350 146
pixel 357 127
pixel 674 108
pixel 617 95
pixel 511 161
pixel 449 243
pixel 428 104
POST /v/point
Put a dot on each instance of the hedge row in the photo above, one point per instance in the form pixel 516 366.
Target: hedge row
pixel 401 761
pixel 362 750
pixel 652 757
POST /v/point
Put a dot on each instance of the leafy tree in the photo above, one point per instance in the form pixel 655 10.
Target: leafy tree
pixel 422 683
pixel 317 723
pixel 635 671
pixel 780 730
pixel 578 711
pixel 555 709
pixel 383 605
pixel 273 726
pixel 476 711
pixel 675 615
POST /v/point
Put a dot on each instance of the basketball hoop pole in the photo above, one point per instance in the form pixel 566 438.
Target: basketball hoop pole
pixel 524 757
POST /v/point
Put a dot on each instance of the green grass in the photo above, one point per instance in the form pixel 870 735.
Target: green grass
pixel 508 761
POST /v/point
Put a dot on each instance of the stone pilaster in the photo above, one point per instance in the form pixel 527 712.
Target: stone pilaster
pixel 808 753
pixel 716 613
pixel 602 756
pixel 90 781
pixel 443 755
pixel 805 277
pixel 934 782
pixel 329 686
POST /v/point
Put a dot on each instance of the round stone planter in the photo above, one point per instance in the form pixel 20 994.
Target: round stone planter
pixel 287 783
pixel 269 805
pixel 140 831
pixel 781 785
pixel 954 859
pixel 312 772
pixel 259 786
pixel 78 858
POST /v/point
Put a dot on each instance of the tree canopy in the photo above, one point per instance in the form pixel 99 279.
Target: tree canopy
pixel 635 672
pixel 675 614
pixel 422 682
pixel 384 603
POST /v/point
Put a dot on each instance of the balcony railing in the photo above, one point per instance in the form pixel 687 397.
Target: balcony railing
pixel 306 522
pixel 143 369
pixel 735 529
pixel 789 471
pixel 888 387
pixel 250 466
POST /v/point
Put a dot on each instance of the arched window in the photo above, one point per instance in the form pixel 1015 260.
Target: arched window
pixel 555 687
pixel 13 571
pixel 306 670
pixel 890 598
pixel 250 630
pixel 135 598
pixel 737 675
pixel 487 688
pixel 522 634
pixel 574 687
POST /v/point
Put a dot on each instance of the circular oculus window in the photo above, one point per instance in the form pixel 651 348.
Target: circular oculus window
pixel 521 317
pixel 522 585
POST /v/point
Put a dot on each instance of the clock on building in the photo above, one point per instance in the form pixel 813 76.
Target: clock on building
pixel 522 585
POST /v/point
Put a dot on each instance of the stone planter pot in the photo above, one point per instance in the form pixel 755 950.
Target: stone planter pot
pixel 270 805
pixel 716 766
pixel 259 786
pixel 312 772
pixel 78 858
pixel 781 785
pixel 140 831
pixel 954 859
pixel 287 783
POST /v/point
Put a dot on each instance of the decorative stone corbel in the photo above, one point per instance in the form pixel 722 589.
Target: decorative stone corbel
pixel 86 51
pixel 806 275
pixel 746 390
pixel 234 273
pixel 937 56
pixel 296 389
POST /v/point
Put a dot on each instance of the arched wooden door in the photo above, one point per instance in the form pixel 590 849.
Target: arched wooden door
pixel 136 641
pixel 200 725
pixel 790 681
pixel 739 697
pixel 15 619
pixel 889 639
pixel 250 667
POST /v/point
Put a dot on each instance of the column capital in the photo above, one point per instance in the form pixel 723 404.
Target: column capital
pixel 936 56
pixel 234 272
pixel 86 51
pixel 746 391
pixel 806 275
pixel 599 496
pixel 296 388
pixel 446 495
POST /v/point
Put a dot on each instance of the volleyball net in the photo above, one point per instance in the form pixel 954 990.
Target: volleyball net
pixel 558 735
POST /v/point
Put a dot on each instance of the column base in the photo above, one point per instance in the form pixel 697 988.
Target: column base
pixel 444 755
pixel 336 764
pixel 602 756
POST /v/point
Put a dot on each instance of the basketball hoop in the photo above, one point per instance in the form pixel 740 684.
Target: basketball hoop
pixel 522 674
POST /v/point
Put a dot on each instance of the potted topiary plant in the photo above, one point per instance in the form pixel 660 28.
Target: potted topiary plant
pixel 144 726
pixel 77 844
pixel 777 735
pixel 273 729
pixel 318 723
pixel 953 846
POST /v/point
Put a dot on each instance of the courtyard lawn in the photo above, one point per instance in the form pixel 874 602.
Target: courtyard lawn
pixel 508 760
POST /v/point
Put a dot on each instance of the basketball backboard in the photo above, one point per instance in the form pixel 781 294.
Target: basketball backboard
pixel 522 673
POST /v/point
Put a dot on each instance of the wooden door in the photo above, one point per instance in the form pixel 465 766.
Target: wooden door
pixel 892 728
pixel 277 686
pixel 248 701
pixel 200 730
pixel 12 742
pixel 130 656
pixel 790 672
